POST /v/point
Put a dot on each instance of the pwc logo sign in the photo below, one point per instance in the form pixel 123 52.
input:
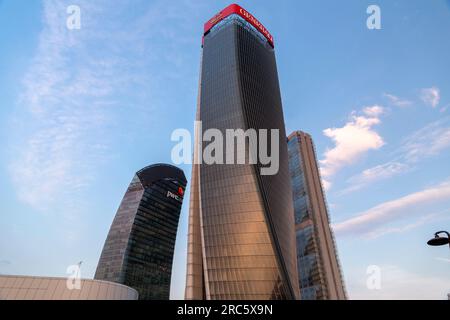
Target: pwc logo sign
pixel 178 196
pixel 237 9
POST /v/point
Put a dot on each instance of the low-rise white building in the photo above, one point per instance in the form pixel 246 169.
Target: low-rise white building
pixel 46 288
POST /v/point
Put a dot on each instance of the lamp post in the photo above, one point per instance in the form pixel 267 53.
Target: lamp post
pixel 438 240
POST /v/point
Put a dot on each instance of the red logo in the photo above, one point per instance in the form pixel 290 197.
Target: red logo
pixel 236 9
pixel 180 191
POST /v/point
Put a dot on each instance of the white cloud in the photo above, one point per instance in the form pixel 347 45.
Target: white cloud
pixel 333 205
pixel 326 184
pixel 53 147
pixel 443 259
pixel 373 111
pixel 380 172
pixel 428 141
pixel 396 101
pixel 352 141
pixel 375 174
pixel 376 219
pixel 431 96
pixel 81 84
pixel 382 231
pixel 399 284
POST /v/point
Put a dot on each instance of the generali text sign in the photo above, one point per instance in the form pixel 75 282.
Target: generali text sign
pixel 237 9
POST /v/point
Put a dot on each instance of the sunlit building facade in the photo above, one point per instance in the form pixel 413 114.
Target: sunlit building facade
pixel 139 249
pixel 241 239
pixel 319 272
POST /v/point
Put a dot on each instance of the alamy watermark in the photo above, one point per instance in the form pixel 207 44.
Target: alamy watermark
pixel 241 147
pixel 374 20
pixel 73 21
pixel 74 279
pixel 373 281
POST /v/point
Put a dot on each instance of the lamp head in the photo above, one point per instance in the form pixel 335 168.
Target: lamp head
pixel 438 241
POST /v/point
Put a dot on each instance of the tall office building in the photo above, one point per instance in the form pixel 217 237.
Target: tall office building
pixel 138 251
pixel 241 239
pixel 319 271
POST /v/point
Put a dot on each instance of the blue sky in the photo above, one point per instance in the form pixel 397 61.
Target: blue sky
pixel 82 110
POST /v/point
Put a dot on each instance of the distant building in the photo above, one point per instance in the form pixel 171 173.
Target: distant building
pixel 139 249
pixel 319 271
pixel 44 288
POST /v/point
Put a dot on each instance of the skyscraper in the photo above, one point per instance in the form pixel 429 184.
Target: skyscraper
pixel 241 239
pixel 319 271
pixel 138 251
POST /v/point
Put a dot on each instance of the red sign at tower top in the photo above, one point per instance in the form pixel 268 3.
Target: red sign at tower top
pixel 237 9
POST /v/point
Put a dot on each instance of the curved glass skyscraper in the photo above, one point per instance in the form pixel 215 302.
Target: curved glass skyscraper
pixel 241 241
pixel 138 251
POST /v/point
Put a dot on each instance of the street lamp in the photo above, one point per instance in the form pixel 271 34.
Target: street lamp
pixel 439 241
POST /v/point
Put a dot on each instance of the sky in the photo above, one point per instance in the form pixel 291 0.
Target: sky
pixel 82 110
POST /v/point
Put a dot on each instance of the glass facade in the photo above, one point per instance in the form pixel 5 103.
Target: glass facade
pixel 138 251
pixel 318 266
pixel 241 240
